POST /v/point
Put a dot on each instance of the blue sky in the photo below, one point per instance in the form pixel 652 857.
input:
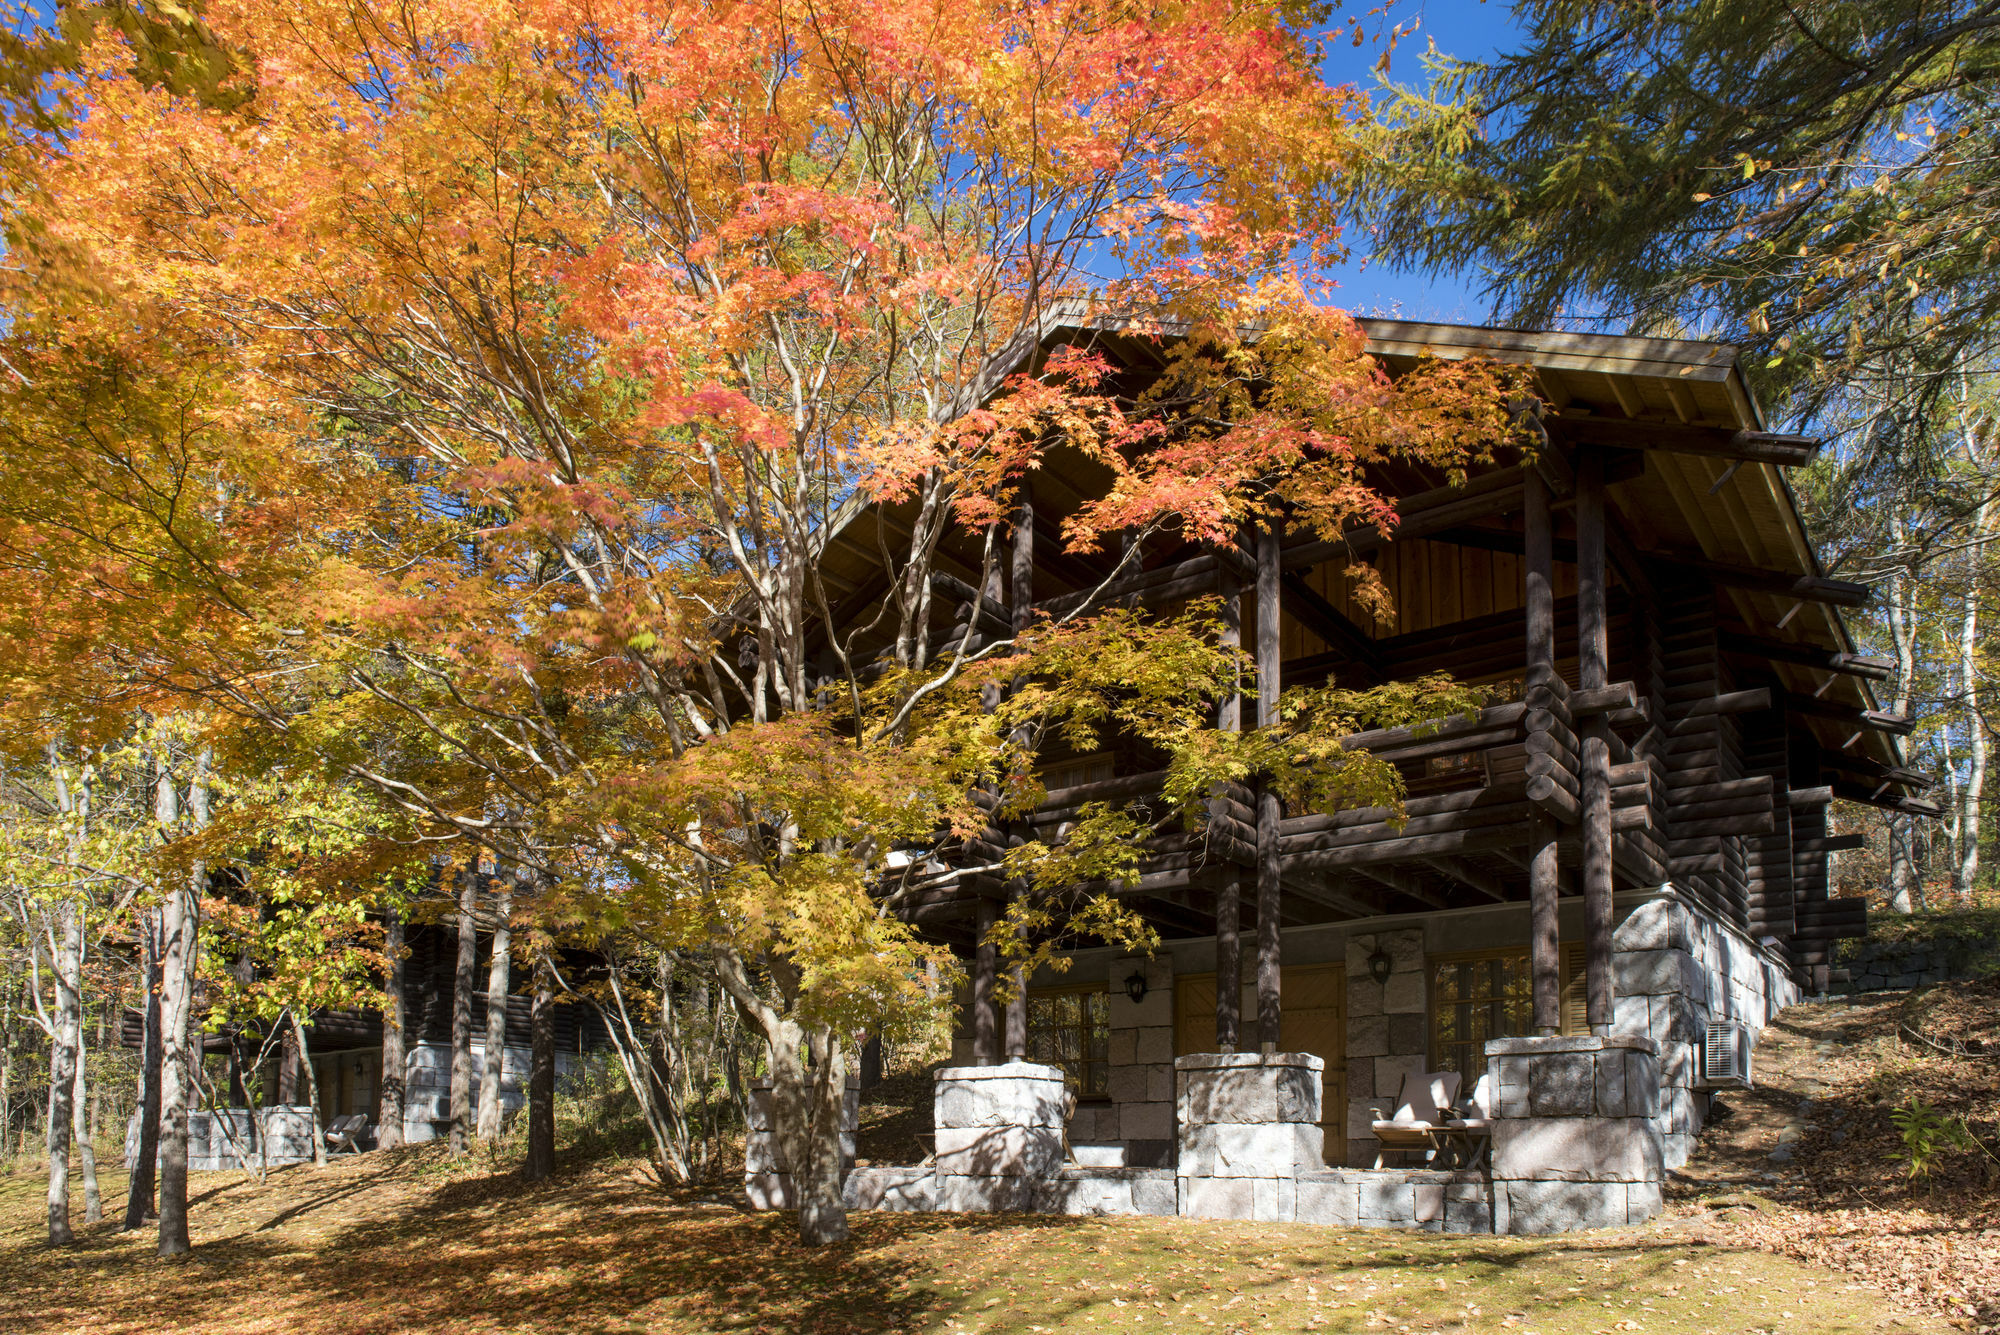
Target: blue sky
pixel 1470 29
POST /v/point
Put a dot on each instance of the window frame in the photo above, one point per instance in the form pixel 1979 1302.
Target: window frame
pixel 1572 974
pixel 1070 1078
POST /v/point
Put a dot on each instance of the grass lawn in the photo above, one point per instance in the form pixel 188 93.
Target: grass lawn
pixel 382 1245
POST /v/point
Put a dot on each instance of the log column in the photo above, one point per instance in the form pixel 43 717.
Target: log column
pixel 1269 541
pixel 1229 896
pixel 1022 578
pixel 1539 594
pixel 1593 672
pixel 985 972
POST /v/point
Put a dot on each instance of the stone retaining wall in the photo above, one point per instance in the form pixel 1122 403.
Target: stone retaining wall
pixel 1677 969
pixel 1893 966
pixel 227 1138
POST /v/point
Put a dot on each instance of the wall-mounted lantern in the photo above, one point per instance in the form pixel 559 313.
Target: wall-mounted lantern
pixel 1135 986
pixel 1380 966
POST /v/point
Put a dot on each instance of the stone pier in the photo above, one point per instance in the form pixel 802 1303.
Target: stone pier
pixel 1576 1143
pixel 767 1178
pixel 999 1134
pixel 1249 1125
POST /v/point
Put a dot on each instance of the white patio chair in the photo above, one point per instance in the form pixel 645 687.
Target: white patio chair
pixel 1422 1111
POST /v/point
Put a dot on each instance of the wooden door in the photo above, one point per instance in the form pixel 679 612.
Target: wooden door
pixel 1314 1020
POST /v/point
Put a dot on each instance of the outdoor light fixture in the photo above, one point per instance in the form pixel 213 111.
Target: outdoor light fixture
pixel 1380 965
pixel 1135 986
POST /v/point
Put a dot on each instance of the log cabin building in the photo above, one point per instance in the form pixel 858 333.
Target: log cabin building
pixel 1628 846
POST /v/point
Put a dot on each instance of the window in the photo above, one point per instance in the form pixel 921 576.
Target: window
pixel 1490 994
pixel 1071 1028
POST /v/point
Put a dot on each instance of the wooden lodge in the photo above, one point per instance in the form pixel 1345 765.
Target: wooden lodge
pixel 1631 839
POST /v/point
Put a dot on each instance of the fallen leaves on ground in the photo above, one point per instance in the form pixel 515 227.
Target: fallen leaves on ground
pixel 1830 1076
pixel 406 1243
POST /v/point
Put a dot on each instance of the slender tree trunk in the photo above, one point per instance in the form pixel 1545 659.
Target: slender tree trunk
pixel 180 922
pixel 1903 891
pixel 542 1075
pixel 93 1200
pixel 461 1013
pixel 493 1053
pixel 312 1090
pixel 139 1191
pixel 389 1119
pixel 1968 668
pixel 6 1062
pixel 178 927
pixel 65 1043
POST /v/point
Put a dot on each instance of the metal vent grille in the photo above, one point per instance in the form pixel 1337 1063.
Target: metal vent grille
pixel 1725 1056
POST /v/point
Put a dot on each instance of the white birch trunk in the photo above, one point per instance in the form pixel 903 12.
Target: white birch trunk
pixel 65 1038
pixel 93 1201
pixel 1902 865
pixel 493 1054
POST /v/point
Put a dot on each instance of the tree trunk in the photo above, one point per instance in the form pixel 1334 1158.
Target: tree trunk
pixel 1903 891
pixel 461 1012
pixel 807 1105
pixel 312 1091
pixel 93 1200
pixel 288 1069
pixel 493 1052
pixel 139 1191
pixel 1968 667
pixel 180 922
pixel 542 1076
pixel 389 1117
pixel 65 1042
pixel 6 1063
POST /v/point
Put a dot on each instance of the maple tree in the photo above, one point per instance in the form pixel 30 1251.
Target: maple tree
pixel 462 394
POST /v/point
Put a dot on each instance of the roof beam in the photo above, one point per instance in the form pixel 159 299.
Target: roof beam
pixel 1752 447
pixel 1805 588
pixel 1880 720
pixel 1807 655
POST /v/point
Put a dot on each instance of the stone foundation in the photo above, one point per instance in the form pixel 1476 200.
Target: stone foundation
pixel 999 1134
pixel 227 1139
pixel 767 1178
pixel 1249 1125
pixel 1576 1140
pixel 1677 969
pixel 1425 1200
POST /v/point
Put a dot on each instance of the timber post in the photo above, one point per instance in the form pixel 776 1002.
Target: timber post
pixel 985 971
pixel 1022 592
pixel 1594 673
pixel 1538 574
pixel 1270 540
pixel 1229 895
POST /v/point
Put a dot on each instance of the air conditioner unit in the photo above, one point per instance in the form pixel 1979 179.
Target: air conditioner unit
pixel 1725 1056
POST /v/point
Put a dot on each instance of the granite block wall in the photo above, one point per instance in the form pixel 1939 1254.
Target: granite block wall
pixel 1676 970
pixel 1140 1115
pixel 1388 1032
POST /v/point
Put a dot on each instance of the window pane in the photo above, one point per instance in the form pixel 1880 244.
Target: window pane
pixel 1072 1030
pixel 1474 1001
